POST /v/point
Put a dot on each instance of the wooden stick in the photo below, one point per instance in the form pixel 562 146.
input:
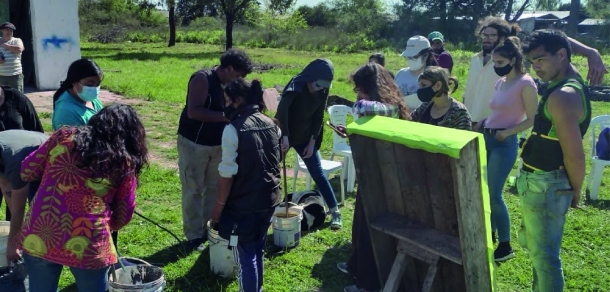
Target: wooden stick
pixel 285 184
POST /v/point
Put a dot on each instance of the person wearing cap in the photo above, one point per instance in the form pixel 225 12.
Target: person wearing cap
pixel 418 55
pixel 300 114
pixel 443 58
pixel 11 72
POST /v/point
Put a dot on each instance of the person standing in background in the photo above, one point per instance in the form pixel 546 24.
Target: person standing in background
pixel 11 72
pixel 443 57
pixel 419 56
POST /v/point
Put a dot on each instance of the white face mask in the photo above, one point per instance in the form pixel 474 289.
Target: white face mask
pixel 416 64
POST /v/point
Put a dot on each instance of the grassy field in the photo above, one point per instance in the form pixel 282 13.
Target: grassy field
pixel 158 76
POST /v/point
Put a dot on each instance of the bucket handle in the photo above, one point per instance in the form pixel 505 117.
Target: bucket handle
pixel 285 183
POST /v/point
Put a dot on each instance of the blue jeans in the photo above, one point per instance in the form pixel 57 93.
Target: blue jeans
pixel 249 255
pixel 314 166
pixel 44 276
pixel 501 156
pixel 545 200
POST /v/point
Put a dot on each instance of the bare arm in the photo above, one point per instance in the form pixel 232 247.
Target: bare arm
pixel 198 95
pixel 17 207
pixel 15 49
pixel 566 109
pixel 597 70
pixel 529 97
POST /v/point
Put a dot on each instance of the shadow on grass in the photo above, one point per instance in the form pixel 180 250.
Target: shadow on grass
pixel 326 271
pixel 200 277
pixel 156 56
pixel 598 204
pixel 168 255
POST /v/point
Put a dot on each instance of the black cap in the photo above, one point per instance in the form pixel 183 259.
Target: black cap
pixel 8 25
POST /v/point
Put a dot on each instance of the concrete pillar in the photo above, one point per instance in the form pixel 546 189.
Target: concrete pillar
pixel 56 37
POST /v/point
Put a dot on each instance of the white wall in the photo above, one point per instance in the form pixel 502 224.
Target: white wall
pixel 56 40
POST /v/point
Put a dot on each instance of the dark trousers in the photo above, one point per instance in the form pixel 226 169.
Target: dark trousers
pixel 361 263
pixel 249 255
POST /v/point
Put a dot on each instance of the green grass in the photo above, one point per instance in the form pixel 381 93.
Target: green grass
pixel 160 75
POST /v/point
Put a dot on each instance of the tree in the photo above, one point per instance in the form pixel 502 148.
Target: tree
pixel 509 10
pixel 573 20
pixel 189 10
pixel 231 9
pixel 279 6
pixel 171 6
pixel 548 5
pixel 598 8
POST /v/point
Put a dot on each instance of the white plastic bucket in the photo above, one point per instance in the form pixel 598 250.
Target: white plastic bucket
pixel 5 228
pixel 287 231
pixel 222 259
pixel 150 279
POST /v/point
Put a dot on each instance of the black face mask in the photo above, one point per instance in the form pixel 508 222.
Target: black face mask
pixel 426 94
pixel 503 71
pixel 229 111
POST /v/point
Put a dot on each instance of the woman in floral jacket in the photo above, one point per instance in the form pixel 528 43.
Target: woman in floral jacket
pixel 88 180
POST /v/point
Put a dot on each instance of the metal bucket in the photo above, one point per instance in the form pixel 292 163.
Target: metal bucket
pixel 142 277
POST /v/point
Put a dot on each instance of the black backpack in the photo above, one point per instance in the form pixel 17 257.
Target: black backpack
pixel 314 208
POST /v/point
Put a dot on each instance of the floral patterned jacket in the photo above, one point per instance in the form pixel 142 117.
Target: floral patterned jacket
pixel 73 212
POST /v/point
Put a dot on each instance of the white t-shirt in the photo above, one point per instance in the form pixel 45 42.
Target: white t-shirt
pixel 408 84
pixel 12 62
pixel 480 87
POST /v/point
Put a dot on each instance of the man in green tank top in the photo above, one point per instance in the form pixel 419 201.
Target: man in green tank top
pixel 553 156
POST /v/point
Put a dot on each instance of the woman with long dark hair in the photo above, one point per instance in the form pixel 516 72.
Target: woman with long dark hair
pixel 249 187
pixel 377 95
pixel 77 98
pixel 88 180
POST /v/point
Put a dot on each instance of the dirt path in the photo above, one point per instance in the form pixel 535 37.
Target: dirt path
pixel 43 102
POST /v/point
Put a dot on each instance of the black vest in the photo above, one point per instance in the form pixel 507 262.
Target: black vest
pixel 205 133
pixel 256 186
pixel 542 151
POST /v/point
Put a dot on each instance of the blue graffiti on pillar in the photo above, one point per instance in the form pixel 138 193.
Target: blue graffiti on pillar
pixel 56 42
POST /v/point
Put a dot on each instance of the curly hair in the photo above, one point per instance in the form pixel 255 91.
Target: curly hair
pixel 252 93
pixel 509 49
pixel 435 74
pixel 112 144
pixel 376 81
pixel 504 28
pixel 236 59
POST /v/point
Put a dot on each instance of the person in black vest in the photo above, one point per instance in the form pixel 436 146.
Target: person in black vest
pixel 249 187
pixel 17 113
pixel 553 156
pixel 199 137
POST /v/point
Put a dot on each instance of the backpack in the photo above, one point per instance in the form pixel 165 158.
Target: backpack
pixel 314 208
pixel 603 144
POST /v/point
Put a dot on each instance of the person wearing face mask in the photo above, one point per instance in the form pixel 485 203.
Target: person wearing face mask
pixel 513 108
pixel 438 108
pixel 200 128
pixel 300 114
pixel 249 186
pixel 418 55
pixel 76 100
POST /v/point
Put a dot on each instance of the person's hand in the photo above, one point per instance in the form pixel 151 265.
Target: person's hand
pixel 575 199
pixel 477 126
pixel 341 130
pixel 285 145
pixel 597 70
pixel 308 152
pixel 12 253
pixel 501 135
pixel 217 211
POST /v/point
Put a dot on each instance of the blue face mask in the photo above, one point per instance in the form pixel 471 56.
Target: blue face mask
pixel 89 93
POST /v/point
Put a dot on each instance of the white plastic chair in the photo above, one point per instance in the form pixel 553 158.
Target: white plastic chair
pixel 328 167
pixel 598 165
pixel 338 116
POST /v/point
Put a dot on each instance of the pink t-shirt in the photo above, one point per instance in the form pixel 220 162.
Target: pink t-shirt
pixel 507 105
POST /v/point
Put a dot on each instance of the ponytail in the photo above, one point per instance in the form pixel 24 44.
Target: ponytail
pixel 256 95
pixel 63 87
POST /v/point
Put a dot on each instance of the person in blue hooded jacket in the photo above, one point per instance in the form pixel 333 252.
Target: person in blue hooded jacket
pixel 300 114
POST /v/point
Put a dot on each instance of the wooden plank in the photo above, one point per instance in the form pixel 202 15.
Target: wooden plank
pixel 372 194
pixel 413 183
pixel 396 273
pixel 426 238
pixel 441 193
pixel 414 251
pixel 469 204
pixel 430 277
pixel 387 162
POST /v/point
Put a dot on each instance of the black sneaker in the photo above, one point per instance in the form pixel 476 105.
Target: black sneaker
pixel 504 252
pixel 194 243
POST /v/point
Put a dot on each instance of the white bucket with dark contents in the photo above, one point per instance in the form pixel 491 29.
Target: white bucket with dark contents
pixel 142 277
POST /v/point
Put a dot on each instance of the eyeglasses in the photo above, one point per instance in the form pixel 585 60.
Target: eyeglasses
pixel 488 36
